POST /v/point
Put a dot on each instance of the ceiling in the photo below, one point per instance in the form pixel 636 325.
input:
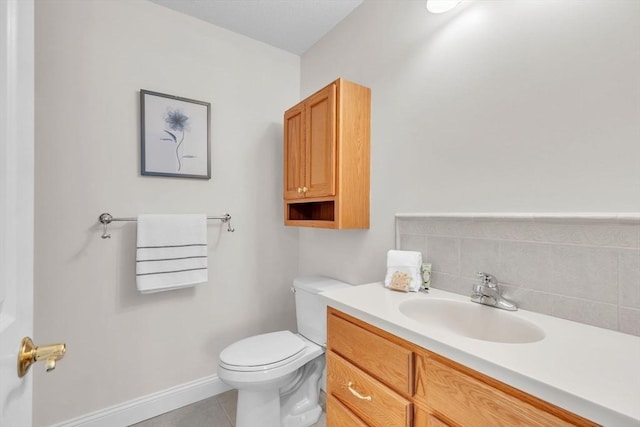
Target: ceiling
pixel 292 25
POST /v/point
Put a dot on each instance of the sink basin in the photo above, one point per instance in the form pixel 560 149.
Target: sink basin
pixel 472 320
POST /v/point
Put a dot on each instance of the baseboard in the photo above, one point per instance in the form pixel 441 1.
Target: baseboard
pixel 150 406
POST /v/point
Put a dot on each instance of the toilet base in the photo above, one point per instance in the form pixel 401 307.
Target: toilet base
pixel 290 401
pixel 299 405
pixel 307 418
pixel 265 408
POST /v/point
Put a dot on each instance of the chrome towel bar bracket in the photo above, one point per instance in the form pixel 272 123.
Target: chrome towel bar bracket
pixel 106 218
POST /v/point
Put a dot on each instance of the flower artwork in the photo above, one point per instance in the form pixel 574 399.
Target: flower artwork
pixel 175 136
pixel 179 124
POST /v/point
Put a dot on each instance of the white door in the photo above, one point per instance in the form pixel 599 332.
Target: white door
pixel 16 205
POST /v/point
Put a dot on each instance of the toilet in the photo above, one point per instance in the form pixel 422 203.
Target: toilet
pixel 278 374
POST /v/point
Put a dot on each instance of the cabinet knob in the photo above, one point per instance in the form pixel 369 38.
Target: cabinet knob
pixel 304 189
pixel 299 189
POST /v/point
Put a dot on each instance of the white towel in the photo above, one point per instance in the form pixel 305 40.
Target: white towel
pixel 171 252
pixel 407 262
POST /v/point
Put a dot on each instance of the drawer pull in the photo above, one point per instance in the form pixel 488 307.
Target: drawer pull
pixel 356 393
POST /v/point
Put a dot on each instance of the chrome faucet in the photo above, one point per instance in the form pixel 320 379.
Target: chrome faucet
pixel 487 292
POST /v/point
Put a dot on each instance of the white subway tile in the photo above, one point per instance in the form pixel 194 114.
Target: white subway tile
pixel 585 272
pixel 479 255
pixel 584 267
pixel 630 321
pixel 527 265
pixel 629 278
pixel 412 242
pixel 583 311
pixel 452 283
pixel 444 254
pixel 528 299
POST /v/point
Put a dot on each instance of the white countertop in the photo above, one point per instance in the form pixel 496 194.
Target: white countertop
pixel 590 371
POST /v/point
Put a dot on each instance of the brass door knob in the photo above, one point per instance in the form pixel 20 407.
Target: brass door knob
pixel 30 354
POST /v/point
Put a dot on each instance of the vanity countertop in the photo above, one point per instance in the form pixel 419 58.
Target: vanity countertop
pixel 590 371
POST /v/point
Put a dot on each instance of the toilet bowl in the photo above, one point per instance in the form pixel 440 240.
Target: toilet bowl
pixel 278 374
pixel 271 363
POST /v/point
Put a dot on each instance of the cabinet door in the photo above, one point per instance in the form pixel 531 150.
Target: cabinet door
pixel 320 134
pixel 294 152
pixel 339 415
pixel 471 402
pixel 422 418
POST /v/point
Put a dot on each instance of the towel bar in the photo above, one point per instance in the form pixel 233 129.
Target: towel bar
pixel 105 219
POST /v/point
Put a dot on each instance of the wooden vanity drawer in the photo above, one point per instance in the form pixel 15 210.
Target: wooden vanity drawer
pixel 379 357
pixel 422 418
pixel 369 399
pixel 469 401
pixel 339 415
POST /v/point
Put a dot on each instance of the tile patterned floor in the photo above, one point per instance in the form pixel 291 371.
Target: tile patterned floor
pixel 216 411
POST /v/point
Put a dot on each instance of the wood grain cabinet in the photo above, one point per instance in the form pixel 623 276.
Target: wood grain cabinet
pixel 376 379
pixel 326 158
pixel 370 375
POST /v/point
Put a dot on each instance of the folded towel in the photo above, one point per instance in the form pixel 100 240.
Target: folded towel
pixel 171 252
pixel 403 270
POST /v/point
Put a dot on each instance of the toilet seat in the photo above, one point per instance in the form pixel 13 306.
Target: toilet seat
pixel 262 352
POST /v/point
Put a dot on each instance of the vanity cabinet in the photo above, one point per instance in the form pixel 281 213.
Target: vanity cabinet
pixel 368 374
pixel 378 379
pixel 326 158
pixel 449 391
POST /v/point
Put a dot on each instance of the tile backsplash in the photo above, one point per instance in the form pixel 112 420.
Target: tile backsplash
pixel 582 267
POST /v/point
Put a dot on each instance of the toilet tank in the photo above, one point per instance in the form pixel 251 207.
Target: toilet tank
pixel 311 310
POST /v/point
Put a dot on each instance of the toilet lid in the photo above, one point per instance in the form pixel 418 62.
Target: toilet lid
pixel 262 349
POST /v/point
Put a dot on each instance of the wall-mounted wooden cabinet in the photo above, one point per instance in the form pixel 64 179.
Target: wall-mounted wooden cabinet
pixel 375 379
pixel 326 158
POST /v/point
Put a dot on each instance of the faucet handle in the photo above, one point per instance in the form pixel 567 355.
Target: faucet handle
pixel 487 279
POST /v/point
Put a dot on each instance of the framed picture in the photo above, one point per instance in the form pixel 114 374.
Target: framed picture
pixel 175 136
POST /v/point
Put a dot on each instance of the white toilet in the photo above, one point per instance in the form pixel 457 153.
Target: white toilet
pixel 278 374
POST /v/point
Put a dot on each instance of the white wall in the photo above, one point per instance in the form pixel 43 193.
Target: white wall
pixel 497 106
pixel 92 58
pixel 514 106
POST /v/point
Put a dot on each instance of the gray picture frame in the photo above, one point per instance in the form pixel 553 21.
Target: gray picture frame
pixel 175 136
